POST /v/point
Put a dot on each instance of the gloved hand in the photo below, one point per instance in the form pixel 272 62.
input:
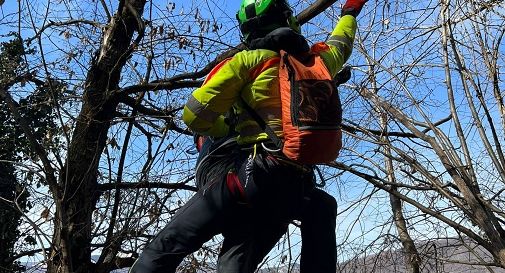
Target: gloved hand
pixel 343 75
pixel 353 7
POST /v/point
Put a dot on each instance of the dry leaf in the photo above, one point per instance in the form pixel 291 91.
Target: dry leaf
pixel 45 213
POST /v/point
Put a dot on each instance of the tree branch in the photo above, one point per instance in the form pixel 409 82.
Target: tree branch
pixel 144 185
pixel 353 128
pixel 169 84
pixel 314 10
pixel 60 24
pixel 376 181
pixel 122 262
pixel 26 253
pixel 145 110
pixel 106 9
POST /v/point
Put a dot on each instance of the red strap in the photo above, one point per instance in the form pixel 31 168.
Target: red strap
pixel 234 186
pixel 199 142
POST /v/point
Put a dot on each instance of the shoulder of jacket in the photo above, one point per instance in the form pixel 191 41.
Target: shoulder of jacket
pixel 255 56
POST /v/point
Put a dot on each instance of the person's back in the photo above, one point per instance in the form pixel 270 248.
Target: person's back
pixel 261 191
pixel 253 74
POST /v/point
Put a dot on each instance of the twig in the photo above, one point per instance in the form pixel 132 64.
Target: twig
pixel 157 185
pixel 60 24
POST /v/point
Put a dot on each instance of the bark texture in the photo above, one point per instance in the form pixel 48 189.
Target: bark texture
pixel 77 194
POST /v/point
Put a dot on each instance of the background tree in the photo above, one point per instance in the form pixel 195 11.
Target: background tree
pixel 431 105
pixel 9 186
pixel 14 149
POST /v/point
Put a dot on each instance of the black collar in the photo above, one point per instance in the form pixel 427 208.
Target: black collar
pixel 283 38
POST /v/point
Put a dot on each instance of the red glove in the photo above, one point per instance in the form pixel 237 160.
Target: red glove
pixel 353 7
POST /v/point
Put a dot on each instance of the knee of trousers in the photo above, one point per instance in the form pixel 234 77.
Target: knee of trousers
pixel 165 252
pixel 152 261
pixel 324 203
pixel 174 240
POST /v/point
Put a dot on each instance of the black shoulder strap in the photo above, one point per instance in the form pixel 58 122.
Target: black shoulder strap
pixel 267 129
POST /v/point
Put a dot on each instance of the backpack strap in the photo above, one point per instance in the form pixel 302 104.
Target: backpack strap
pixel 263 125
pixel 254 73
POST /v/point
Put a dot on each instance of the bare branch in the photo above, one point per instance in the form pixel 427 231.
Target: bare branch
pixel 62 24
pixel 353 128
pixel 313 10
pixel 106 9
pixel 374 180
pixel 148 185
pixel 168 114
pixel 169 84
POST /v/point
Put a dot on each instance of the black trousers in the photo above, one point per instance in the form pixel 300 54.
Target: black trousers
pixel 251 207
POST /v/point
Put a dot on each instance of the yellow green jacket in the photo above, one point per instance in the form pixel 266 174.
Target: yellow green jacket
pixel 253 74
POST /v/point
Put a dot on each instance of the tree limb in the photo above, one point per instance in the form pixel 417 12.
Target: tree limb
pixel 60 24
pixel 145 110
pixel 157 185
pixel 353 128
pixel 375 181
pixel 314 10
pixel 169 84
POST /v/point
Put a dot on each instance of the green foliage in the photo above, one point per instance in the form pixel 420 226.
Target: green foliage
pixel 38 110
pixel 9 233
pixel 11 59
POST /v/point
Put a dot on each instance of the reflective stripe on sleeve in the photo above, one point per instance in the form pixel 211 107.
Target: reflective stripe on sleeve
pixel 343 44
pixel 201 111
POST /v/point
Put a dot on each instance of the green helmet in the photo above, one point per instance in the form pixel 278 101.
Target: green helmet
pixel 258 17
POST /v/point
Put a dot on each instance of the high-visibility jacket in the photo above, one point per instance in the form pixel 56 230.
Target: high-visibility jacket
pixel 253 74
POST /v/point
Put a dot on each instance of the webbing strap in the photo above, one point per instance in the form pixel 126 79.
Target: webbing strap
pixel 261 122
pixel 263 125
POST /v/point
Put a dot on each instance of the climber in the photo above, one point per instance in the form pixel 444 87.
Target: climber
pixel 258 191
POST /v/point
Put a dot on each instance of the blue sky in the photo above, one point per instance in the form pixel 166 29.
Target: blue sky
pixel 387 44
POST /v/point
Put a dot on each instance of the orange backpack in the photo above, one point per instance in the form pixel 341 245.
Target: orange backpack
pixel 311 111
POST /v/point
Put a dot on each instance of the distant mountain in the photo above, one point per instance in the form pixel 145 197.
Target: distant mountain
pixel 443 255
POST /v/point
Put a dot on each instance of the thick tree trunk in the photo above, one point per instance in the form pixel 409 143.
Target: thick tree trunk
pixel 78 180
